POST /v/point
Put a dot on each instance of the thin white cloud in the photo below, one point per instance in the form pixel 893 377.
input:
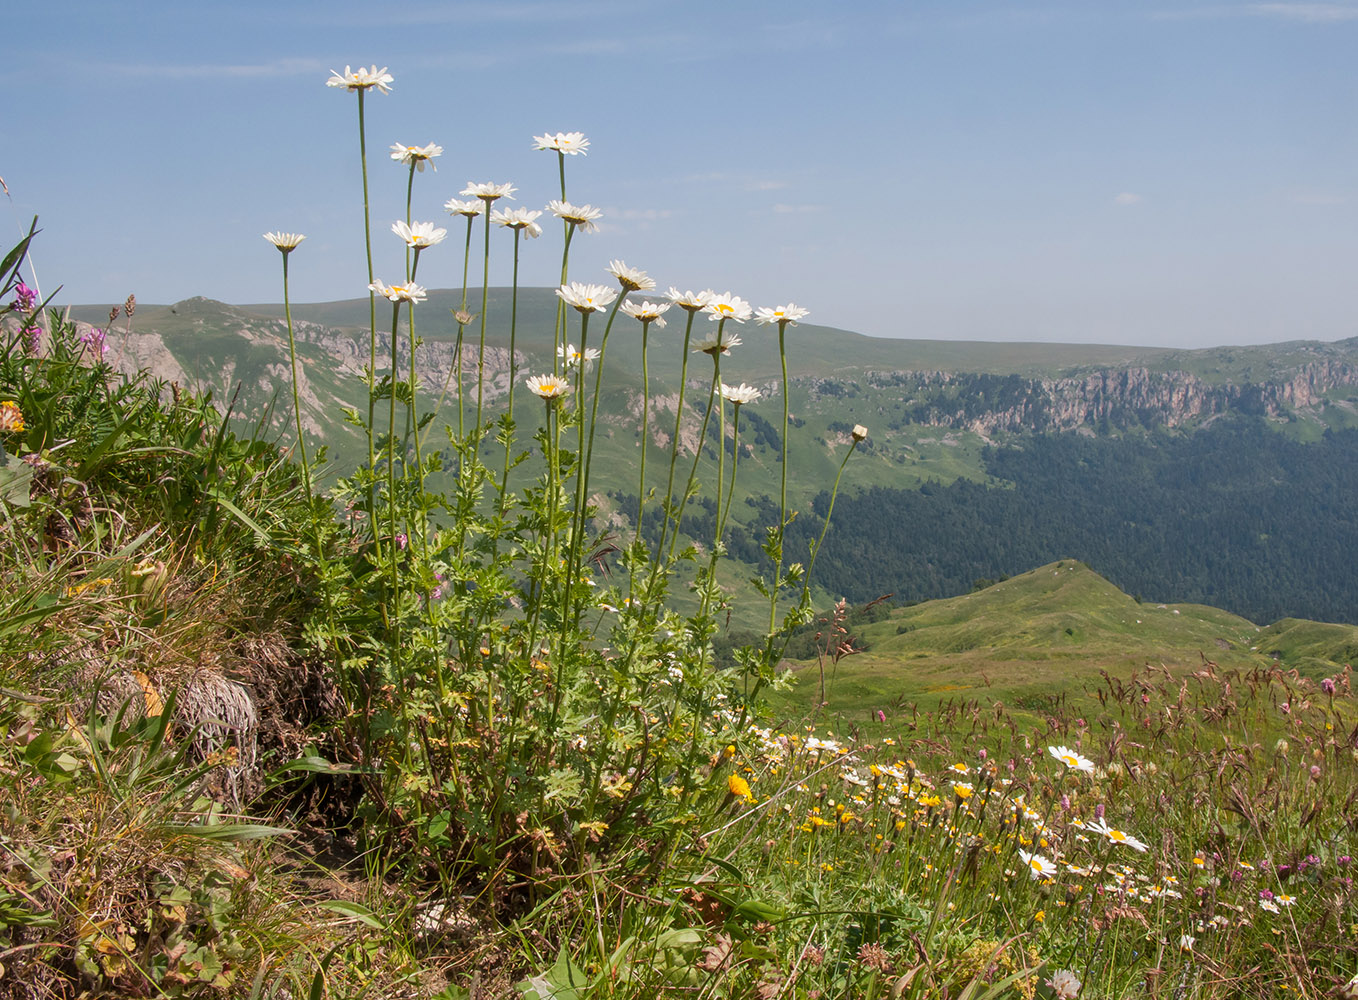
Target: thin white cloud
pixel 642 214
pixel 1125 198
pixel 1321 199
pixel 783 208
pixel 1290 10
pixel 474 13
pixel 1311 13
pixel 237 71
pixel 768 184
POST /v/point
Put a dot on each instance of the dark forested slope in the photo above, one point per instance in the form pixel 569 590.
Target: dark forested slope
pixel 1235 515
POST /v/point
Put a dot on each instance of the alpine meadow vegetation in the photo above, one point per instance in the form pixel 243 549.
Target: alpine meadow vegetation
pixel 274 728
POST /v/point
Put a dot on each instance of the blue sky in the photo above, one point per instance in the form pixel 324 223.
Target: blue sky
pixel 1175 173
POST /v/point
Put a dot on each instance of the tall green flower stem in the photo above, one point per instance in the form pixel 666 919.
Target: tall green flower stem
pixel 721 456
pixel 735 464
pixel 674 447
pixel 393 548
pixel 412 414
pixel 782 489
pixel 296 397
pixel 559 333
pixel 455 370
pixel 485 300
pixel 834 492
pixel 552 441
pixel 513 374
pixel 577 514
pixel 372 326
pixel 698 453
pixel 645 436
pixel 412 262
pixel 582 498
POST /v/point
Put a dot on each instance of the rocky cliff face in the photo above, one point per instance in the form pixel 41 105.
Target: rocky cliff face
pixel 1121 397
pixel 216 347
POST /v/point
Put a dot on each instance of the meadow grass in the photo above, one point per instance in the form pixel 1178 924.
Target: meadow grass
pixel 274 728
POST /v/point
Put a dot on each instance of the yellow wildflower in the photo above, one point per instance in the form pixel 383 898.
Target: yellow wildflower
pixel 739 787
pixel 11 417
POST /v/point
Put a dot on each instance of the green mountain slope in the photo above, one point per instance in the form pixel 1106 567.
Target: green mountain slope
pixel 938 413
pixel 1041 636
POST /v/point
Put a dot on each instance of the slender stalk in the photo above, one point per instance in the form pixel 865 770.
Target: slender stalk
pixel 412 411
pixel 577 511
pixel 485 298
pixel 583 499
pixel 782 490
pixel 296 397
pixel 410 188
pixel 513 370
pixel 735 463
pixel 674 440
pixel 834 492
pixel 645 428
pixel 456 367
pixel 721 447
pixel 697 454
pixel 372 326
pixel 559 331
pixel 559 334
pixel 393 548
pixel 552 506
pixel 412 262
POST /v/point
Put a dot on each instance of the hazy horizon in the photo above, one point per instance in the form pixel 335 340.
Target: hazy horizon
pixel 1171 174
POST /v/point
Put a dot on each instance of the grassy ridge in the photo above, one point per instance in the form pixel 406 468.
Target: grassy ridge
pixel 1047 634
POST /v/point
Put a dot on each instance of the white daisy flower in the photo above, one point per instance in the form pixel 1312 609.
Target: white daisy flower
pixel 573 356
pixel 1038 866
pixel 586 297
pixel 583 217
pixel 782 315
pixel 632 279
pixel 728 306
pixel 419 235
pixel 1116 836
pixel 361 79
pixel 287 242
pixel 691 301
pixel 399 293
pixel 1071 759
pixel 520 219
pixel 468 208
pixel 416 156
pixel 739 394
pixel 570 143
pixel 548 386
pixel 488 191
pixel 646 312
pixel 722 341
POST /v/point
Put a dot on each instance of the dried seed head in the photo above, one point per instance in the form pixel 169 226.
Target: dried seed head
pixel 874 956
pixel 463 317
pixel 112 314
pixel 130 306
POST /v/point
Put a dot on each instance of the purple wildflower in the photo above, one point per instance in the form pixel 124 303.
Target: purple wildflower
pixel 94 340
pixel 25 298
pixel 32 338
